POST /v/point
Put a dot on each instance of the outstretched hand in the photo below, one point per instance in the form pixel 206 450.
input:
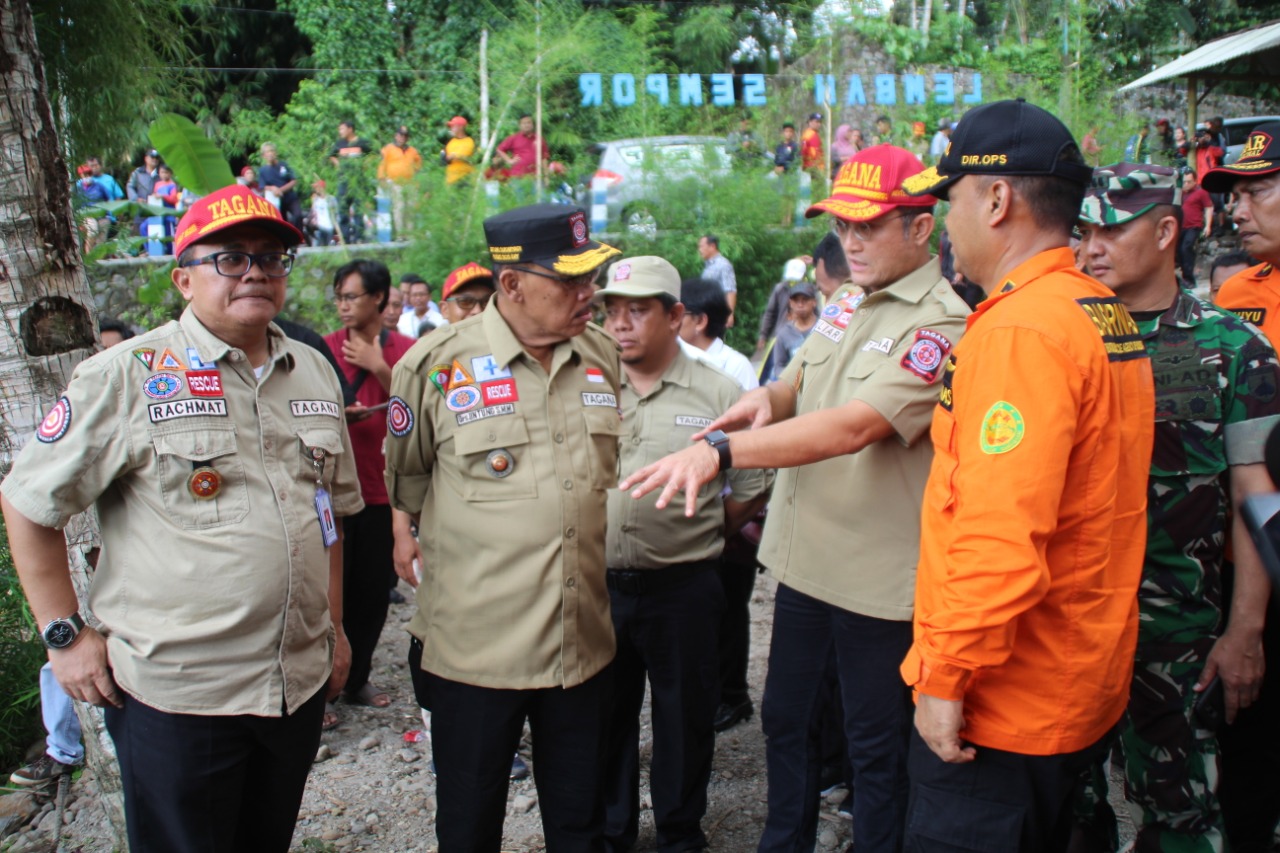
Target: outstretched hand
pixel 687 470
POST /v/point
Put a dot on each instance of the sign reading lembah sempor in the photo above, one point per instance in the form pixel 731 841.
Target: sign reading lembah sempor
pixel 226 208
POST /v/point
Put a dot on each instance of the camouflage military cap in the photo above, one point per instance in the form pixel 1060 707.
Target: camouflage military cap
pixel 1125 191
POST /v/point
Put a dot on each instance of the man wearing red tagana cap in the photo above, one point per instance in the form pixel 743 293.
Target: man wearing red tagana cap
pixel 215 452
pixel 853 408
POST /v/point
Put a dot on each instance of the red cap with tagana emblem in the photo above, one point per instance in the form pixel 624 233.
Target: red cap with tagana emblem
pixel 226 208
pixel 471 273
pixel 869 184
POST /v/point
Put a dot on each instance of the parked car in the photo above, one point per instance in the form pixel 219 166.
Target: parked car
pixel 636 170
pixel 1236 131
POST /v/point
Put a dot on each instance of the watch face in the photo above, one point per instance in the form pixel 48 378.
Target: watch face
pixel 59 634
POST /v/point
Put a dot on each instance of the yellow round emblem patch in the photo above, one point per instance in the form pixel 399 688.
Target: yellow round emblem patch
pixel 1002 428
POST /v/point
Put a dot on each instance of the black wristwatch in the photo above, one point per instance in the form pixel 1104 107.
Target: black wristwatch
pixel 720 441
pixel 61 633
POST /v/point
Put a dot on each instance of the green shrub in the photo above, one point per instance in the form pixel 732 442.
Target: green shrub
pixel 23 655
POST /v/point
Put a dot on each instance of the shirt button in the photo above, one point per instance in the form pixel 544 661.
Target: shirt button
pixel 570 533
pixel 559 437
pixel 568 485
pixel 284 495
pixel 571 583
pixel 199 448
pixel 266 444
pixel 635 440
pixel 644 402
pixel 492 437
pixel 234 356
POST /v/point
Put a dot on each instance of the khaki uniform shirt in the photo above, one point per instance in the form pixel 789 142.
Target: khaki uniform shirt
pixel 507 466
pixel 217 605
pixel 688 397
pixel 847 530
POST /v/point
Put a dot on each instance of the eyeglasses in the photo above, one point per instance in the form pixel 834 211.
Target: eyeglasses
pixel 348 298
pixel 234 264
pixel 575 282
pixel 467 302
pixel 863 231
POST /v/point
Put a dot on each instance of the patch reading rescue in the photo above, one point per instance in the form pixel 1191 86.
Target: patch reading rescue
pixel 1119 333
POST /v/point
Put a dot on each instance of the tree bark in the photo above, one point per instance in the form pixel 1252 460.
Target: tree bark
pixel 48 323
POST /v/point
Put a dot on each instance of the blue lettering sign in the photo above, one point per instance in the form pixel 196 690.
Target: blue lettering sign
pixel 886 89
pixel 855 97
pixel 913 88
pixel 722 90
pixel 690 90
pixel 590 87
pixel 824 89
pixel 975 97
pixel 624 90
pixel 753 90
pixel 656 85
pixel 944 88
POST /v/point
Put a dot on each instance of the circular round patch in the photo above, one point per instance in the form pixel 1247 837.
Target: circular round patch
pixel 399 417
pixel 926 355
pixel 55 423
pixel 463 399
pixel 500 463
pixel 204 483
pixel 162 386
pixel 832 310
pixel 1002 428
pixel 579 231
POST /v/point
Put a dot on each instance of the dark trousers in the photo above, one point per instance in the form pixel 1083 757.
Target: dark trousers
pixel 213 784
pixel 366 557
pixel 350 212
pixel 1187 255
pixel 738 579
pixel 670 636
pixel 476 730
pixel 808 635
pixel 1001 802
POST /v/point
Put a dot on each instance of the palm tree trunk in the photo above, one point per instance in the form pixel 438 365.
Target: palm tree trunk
pixel 48 324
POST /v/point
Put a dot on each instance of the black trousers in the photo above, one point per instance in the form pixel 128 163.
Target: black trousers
pixel 476 730
pixel 668 636
pixel 738 578
pixel 351 211
pixel 366 558
pixel 205 784
pixel 1187 255
pixel 1001 802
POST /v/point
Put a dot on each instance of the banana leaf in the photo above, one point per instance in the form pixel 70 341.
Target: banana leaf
pixel 137 209
pixel 197 163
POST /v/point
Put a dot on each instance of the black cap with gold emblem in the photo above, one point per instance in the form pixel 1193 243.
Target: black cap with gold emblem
pixel 1260 156
pixel 555 236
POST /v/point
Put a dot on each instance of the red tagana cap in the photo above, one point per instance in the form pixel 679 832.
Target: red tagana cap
pixel 226 208
pixel 869 184
pixel 466 274
pixel 457 121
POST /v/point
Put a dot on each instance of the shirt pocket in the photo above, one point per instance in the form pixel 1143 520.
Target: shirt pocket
pixel 328 440
pixel 495 460
pixel 604 429
pixel 179 454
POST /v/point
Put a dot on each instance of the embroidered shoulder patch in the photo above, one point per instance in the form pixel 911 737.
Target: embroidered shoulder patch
pixel 399 418
pixel 927 354
pixel 56 422
pixel 1002 428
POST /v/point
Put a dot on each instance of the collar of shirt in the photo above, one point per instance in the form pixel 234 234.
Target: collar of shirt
pixel 212 348
pixel 912 287
pixel 1029 270
pixel 678 372
pixel 1186 312
pixel 1258 273
pixel 507 348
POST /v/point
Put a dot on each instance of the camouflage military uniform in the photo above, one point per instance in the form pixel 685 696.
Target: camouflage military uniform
pixel 1216 398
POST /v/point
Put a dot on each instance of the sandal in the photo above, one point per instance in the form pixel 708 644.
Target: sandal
pixel 330 719
pixel 370 697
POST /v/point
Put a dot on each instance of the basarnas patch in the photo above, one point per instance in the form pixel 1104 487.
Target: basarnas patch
pixel 1002 428
pixel 399 417
pixel 56 422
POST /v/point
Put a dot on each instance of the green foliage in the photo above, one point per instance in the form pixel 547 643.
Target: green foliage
pixel 23 655
pixel 197 164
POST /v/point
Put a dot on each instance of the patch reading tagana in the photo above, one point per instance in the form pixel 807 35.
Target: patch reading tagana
pixel 302 408
pixel 590 399
pixel 56 422
pixel 927 354
pixel 692 421
pixel 1002 428
pixel 1119 333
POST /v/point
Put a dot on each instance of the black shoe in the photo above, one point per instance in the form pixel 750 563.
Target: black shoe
pixel 728 716
pixel 395 597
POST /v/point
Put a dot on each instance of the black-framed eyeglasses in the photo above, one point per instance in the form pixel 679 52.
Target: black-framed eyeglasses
pixel 467 302
pixel 347 298
pixel 234 264
pixel 575 282
pixel 864 231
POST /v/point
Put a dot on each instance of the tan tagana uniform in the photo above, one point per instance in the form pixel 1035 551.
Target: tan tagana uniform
pixel 688 397
pixel 508 466
pixel 212 587
pixel 846 530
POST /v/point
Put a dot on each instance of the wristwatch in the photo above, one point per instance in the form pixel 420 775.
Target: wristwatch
pixel 60 633
pixel 720 441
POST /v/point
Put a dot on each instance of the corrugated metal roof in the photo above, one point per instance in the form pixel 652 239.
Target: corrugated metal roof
pixel 1217 52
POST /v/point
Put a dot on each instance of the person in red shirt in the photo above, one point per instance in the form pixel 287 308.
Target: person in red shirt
pixel 1210 149
pixel 521 150
pixel 811 143
pixel 366 352
pixel 1197 218
pixel 1034 520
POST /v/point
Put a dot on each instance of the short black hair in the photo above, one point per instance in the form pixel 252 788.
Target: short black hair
pixel 1232 259
pixel 524 116
pixel 413 278
pixel 787 124
pixel 107 324
pixel 831 253
pixel 712 239
pixel 884 119
pixel 374 275
pixel 703 298
pixel 667 301
pixel 1054 201
pixel 348 122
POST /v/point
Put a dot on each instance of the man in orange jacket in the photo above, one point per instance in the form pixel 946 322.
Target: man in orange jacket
pixel 1034 513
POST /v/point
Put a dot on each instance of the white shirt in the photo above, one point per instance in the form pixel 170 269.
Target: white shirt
pixel 410 322
pixel 727 359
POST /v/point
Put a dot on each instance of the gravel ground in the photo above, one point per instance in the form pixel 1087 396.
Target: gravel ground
pixel 371 790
